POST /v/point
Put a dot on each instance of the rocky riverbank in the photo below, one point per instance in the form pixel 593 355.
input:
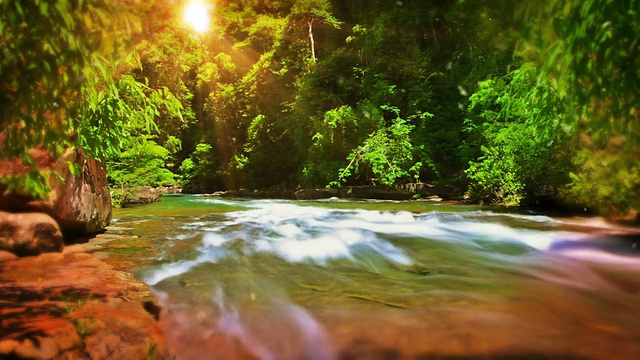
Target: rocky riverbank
pixel 72 305
pixel 58 300
pixel 405 192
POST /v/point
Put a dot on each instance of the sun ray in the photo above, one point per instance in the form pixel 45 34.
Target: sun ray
pixel 196 15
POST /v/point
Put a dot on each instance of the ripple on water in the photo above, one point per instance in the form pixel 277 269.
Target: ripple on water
pixel 269 279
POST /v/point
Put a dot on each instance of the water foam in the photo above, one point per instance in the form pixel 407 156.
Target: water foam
pixel 212 252
pixel 299 233
pixel 174 269
pixel 303 233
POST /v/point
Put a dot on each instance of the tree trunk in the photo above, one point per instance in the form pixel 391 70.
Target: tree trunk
pixel 313 43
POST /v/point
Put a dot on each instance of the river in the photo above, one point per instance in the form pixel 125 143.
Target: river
pixel 336 279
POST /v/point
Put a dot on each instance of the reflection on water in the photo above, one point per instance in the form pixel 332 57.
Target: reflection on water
pixel 265 279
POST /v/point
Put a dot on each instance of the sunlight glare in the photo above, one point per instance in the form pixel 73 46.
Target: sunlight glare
pixel 196 15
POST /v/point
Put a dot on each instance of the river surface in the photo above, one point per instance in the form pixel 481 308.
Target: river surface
pixel 334 279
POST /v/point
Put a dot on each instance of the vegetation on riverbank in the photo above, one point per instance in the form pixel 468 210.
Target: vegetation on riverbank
pixel 523 102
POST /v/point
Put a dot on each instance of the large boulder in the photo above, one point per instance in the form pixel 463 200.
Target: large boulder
pixel 80 204
pixel 142 195
pixel 29 234
pixel 147 194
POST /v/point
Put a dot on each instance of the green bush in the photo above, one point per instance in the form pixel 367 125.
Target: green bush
pixel 518 137
pixel 386 156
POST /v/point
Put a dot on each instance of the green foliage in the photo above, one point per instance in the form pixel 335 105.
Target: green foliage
pixel 308 12
pixel 53 55
pixel 497 176
pixel 142 164
pixel 280 94
pixel 298 99
pixel 607 179
pixel 518 136
pixel 590 54
pixel 335 135
pixel 199 169
pixel 133 158
pixel 314 10
pixel 171 58
pixel 61 85
pixel 290 94
pixel 187 168
pixel 262 34
pixel 387 154
pixel 151 351
pixel 81 323
pixel 114 117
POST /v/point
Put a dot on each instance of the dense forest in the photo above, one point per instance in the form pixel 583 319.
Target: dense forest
pixel 512 101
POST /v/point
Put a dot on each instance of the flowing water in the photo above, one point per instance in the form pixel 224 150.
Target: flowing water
pixel 333 279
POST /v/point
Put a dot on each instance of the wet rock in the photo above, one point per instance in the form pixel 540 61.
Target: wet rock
pixel 83 204
pixel 169 189
pixel 55 336
pixel 229 193
pixel 445 191
pixel 80 204
pixel 147 194
pixel 7 256
pixel 26 234
pixel 215 194
pixel 258 194
pixel 142 195
pixel 313 194
pixel 375 192
pixel 404 192
pixel 73 306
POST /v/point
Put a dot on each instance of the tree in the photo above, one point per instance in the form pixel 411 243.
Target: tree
pixel 141 164
pixel 60 85
pixel 51 53
pixel 310 11
pixel 137 160
pixel 520 145
pixel 200 172
pixel 386 154
pixel 588 53
pixel 333 141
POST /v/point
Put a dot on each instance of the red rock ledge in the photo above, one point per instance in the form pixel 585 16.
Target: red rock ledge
pixel 71 305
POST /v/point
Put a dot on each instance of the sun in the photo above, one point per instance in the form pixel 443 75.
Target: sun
pixel 196 15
